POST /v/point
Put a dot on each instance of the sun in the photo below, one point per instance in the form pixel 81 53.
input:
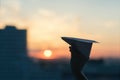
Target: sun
pixel 47 53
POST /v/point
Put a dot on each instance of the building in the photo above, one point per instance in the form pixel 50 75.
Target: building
pixel 13 41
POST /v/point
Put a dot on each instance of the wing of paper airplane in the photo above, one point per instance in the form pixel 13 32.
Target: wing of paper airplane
pixel 83 45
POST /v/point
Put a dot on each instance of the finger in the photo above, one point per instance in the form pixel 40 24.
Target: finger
pixel 70 48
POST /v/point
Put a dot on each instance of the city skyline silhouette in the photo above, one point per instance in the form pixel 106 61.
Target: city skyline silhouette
pixel 31 47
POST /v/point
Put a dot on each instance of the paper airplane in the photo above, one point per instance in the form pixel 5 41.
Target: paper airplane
pixel 83 45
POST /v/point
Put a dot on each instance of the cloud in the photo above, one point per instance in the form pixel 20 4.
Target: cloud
pixel 10 10
pixel 111 24
pixel 11 5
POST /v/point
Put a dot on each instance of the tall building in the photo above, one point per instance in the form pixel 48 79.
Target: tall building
pixel 14 62
pixel 13 54
pixel 12 41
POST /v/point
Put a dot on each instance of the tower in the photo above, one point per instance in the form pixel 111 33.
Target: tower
pixel 12 41
pixel 13 54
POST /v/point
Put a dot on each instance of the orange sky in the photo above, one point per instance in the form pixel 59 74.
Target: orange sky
pixel 47 21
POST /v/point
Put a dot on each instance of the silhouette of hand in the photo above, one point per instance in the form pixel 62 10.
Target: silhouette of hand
pixel 77 62
pixel 77 58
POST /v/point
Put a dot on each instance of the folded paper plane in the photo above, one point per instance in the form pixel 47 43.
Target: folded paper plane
pixel 83 45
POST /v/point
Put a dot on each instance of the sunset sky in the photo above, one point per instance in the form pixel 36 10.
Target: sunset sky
pixel 48 20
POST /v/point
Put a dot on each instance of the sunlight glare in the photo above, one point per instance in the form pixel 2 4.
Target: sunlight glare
pixel 47 53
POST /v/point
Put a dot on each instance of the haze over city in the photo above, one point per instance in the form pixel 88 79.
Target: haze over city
pixel 47 21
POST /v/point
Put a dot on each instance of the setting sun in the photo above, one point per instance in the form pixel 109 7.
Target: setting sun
pixel 47 53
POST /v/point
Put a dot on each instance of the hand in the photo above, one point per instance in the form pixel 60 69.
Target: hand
pixel 77 62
